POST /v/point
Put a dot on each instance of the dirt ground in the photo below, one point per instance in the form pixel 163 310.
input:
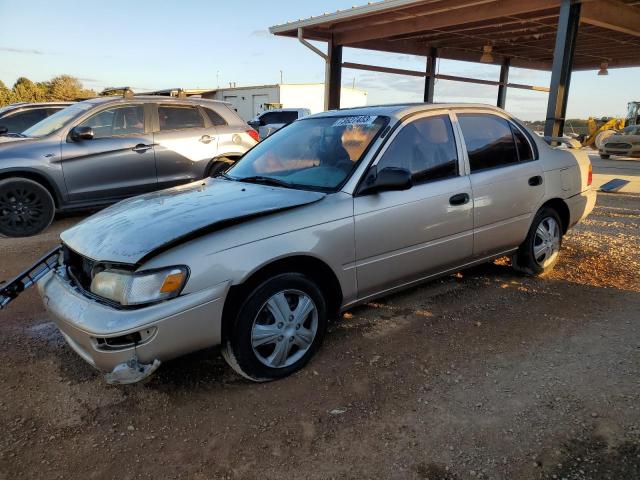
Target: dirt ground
pixel 483 374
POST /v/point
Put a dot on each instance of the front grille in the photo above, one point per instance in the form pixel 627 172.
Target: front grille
pixel 79 267
pixel 617 145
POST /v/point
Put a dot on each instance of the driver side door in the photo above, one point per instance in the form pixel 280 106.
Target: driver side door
pixel 404 236
pixel 117 162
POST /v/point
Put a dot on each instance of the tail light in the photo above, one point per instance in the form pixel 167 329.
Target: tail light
pixel 253 134
pixel 590 175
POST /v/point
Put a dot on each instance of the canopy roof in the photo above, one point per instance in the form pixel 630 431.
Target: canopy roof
pixel 522 30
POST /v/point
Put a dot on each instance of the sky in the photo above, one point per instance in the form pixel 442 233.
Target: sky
pixel 200 44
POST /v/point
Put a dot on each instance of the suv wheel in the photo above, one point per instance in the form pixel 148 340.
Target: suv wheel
pixel 278 328
pixel 26 207
pixel 540 251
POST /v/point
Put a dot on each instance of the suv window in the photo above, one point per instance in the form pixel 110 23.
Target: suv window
pixel 426 147
pixel 175 117
pixel 489 141
pixel 278 117
pixel 123 120
pixel 20 121
pixel 216 119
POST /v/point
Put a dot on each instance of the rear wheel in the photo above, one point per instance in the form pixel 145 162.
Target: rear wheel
pixel 26 207
pixel 219 165
pixel 604 156
pixel 277 329
pixel 540 251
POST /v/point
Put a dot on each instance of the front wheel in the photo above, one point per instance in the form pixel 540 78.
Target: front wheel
pixel 26 207
pixel 540 251
pixel 277 329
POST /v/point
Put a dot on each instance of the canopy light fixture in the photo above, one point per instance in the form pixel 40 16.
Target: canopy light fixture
pixel 604 69
pixel 486 54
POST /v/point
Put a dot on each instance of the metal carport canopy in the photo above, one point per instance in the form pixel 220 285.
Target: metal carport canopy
pixel 556 35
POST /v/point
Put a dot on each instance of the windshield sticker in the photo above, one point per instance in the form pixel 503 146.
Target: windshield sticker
pixel 359 120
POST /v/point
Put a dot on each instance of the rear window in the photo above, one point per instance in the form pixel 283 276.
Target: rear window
pixel 489 141
pixel 272 118
pixel 214 117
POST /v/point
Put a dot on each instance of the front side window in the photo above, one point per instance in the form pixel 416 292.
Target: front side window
pixel 316 153
pixel 123 120
pixel 178 117
pixel 426 147
pixel 489 141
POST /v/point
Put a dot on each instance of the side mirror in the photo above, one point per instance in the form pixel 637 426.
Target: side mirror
pixel 387 179
pixel 3 130
pixel 81 133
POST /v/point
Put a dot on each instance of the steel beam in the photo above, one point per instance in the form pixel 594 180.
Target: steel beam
pixel 568 23
pixel 334 77
pixel 504 80
pixel 430 79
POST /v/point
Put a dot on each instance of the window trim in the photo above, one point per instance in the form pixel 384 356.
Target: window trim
pixel 192 105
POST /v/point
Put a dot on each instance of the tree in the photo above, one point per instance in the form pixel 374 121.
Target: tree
pixel 66 87
pixel 5 94
pixel 24 90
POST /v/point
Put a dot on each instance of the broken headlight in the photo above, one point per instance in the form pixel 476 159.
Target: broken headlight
pixel 138 288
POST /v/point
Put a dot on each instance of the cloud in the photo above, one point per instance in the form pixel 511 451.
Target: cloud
pixel 89 80
pixel 261 34
pixel 22 50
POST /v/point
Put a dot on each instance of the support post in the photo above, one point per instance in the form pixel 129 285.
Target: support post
pixel 568 23
pixel 504 80
pixel 333 77
pixel 430 79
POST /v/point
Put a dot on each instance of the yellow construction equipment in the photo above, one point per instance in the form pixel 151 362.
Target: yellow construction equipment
pixel 601 129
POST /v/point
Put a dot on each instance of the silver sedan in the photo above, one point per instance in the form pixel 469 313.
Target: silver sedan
pixel 331 211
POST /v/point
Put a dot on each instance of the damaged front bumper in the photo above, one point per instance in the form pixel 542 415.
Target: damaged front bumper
pixel 129 344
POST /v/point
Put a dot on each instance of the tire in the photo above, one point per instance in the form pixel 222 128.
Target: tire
pixel 219 165
pixel 263 342
pixel 26 207
pixel 604 156
pixel 538 254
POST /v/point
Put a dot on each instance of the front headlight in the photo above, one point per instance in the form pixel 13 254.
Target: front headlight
pixel 137 288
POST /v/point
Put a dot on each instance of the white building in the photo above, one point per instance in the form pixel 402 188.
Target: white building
pixel 250 101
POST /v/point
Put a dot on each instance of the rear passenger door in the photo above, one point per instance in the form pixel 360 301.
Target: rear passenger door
pixel 185 142
pixel 506 179
pixel 402 236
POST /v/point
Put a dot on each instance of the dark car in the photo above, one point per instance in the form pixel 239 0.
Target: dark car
pixel 102 150
pixel 17 117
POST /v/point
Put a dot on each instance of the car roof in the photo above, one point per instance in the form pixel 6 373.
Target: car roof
pixel 154 98
pixel 13 106
pixel 400 110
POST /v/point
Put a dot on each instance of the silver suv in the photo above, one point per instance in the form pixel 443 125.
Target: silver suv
pixel 102 150
pixel 330 212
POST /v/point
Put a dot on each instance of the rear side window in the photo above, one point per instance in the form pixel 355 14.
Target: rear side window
pixel 524 149
pixel 214 117
pixel 18 122
pixel 489 141
pixel 426 147
pixel 278 117
pixel 176 117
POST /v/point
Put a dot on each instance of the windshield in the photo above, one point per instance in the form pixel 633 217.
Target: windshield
pixel 316 153
pixel 57 120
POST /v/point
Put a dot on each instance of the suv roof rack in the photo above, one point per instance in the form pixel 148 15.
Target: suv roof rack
pixel 126 91
pixel 178 92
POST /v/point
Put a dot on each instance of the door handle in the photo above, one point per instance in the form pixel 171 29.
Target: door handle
pixel 535 181
pixel 459 199
pixel 141 147
pixel 206 139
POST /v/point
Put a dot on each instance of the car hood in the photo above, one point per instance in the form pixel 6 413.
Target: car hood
pixel 5 139
pixel 137 228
